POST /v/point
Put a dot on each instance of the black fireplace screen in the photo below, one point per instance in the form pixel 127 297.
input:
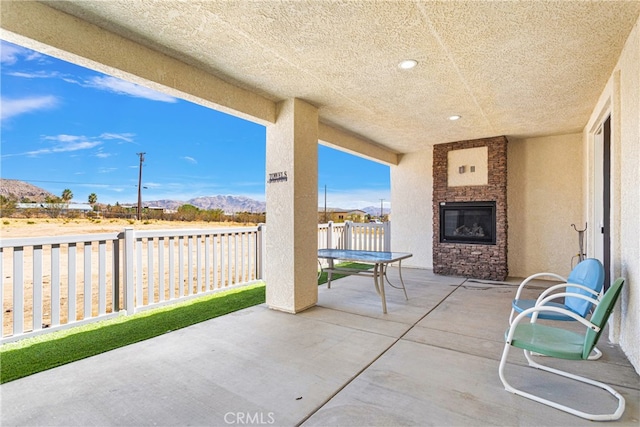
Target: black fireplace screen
pixel 468 222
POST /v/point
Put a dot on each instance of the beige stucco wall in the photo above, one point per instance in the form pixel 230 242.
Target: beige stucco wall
pixel 292 208
pixel 544 197
pixel 629 203
pixel 621 99
pixel 411 198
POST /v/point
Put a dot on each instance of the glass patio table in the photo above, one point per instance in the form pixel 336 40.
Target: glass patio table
pixel 380 261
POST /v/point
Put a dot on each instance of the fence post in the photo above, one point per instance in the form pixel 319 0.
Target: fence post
pixel 330 235
pixel 348 234
pixel 260 252
pixel 115 280
pixel 387 236
pixel 129 284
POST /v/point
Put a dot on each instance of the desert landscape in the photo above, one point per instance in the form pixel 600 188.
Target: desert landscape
pixel 36 227
pixel 42 227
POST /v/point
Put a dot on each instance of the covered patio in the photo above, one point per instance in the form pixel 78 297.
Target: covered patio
pixel 556 82
pixel 432 360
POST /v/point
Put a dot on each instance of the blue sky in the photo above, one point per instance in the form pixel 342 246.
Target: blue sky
pixel 65 126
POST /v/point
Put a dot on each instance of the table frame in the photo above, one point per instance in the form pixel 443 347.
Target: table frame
pixel 380 261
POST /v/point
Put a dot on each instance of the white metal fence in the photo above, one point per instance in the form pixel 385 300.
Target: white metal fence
pixel 50 283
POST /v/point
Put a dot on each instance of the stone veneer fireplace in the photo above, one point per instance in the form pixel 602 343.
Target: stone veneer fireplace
pixel 458 191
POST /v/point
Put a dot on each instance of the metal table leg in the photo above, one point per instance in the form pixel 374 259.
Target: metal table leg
pixel 378 280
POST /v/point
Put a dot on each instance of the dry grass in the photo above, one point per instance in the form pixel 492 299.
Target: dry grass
pixel 36 227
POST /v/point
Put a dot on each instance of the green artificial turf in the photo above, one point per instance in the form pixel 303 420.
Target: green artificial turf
pixel 353 265
pixel 36 354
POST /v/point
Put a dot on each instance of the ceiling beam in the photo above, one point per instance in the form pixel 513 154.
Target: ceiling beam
pixel 353 144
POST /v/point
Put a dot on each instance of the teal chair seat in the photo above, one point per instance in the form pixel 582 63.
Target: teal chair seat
pixel 543 339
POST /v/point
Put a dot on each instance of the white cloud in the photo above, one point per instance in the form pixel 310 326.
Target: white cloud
pixel 64 148
pixel 34 75
pixel 126 137
pixel 10 53
pixel 64 138
pixel 190 159
pixel 15 107
pixel 61 144
pixel 107 170
pixel 121 87
pixel 69 143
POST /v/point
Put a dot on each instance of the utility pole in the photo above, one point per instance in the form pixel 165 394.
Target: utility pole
pixel 325 203
pixel 140 186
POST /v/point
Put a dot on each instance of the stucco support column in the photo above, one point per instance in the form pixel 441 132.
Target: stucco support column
pixel 292 208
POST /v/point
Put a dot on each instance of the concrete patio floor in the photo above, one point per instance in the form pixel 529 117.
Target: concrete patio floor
pixel 432 360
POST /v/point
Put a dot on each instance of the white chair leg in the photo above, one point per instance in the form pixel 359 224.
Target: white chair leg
pixel 594 417
pixel 595 354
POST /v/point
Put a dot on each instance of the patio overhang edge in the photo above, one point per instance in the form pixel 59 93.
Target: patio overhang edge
pixel 336 138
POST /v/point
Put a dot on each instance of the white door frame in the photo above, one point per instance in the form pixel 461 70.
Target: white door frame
pixel 595 179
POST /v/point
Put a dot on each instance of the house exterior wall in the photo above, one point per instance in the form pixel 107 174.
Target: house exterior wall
pixel 411 198
pixel 544 193
pixel 621 99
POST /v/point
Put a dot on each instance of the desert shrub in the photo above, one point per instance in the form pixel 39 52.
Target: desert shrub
pixel 7 206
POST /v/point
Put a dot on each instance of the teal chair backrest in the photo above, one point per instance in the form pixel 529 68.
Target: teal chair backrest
pixel 589 273
pixel 601 315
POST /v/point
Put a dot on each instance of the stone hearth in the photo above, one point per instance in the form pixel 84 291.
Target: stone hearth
pixel 480 261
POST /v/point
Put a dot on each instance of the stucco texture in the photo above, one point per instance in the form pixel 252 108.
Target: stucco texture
pixel 621 99
pixel 629 67
pixel 626 194
pixel 544 193
pixel 292 208
pixel 412 210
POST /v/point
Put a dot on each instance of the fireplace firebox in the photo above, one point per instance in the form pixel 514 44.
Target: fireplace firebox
pixel 468 222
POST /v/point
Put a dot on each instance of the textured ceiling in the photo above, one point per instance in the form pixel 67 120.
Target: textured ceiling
pixel 517 68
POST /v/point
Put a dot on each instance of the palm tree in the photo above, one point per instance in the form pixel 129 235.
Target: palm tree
pixel 93 198
pixel 67 195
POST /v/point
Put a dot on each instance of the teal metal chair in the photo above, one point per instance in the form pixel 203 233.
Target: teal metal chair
pixel 563 344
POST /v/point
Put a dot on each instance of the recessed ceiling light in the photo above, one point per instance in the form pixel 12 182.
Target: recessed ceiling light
pixel 455 117
pixel 408 64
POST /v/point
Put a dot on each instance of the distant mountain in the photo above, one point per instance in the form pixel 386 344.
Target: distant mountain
pixel 19 190
pixel 375 210
pixel 228 204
